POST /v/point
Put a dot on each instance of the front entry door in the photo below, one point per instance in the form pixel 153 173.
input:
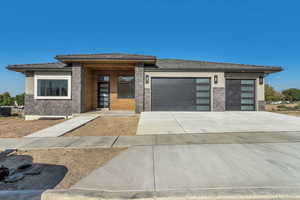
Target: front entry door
pixel 240 95
pixel 103 91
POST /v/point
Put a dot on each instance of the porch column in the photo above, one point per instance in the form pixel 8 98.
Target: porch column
pixel 139 88
pixel 78 86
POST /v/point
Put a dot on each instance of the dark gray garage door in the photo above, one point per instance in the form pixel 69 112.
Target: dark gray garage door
pixel 180 94
pixel 240 95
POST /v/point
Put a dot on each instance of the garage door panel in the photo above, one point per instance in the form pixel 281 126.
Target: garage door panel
pixel 179 94
pixel 240 95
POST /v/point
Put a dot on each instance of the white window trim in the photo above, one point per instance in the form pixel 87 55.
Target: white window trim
pixel 52 77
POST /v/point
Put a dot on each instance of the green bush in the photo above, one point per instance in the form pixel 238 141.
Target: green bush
pixel 297 107
pixel 7 100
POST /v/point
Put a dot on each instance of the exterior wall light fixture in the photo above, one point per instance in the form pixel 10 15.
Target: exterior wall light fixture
pixel 216 79
pixel 147 79
pixel 261 80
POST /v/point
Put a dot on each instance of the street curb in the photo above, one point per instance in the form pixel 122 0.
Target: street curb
pixel 279 193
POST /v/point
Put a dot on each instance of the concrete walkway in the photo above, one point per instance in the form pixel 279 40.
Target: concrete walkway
pixel 64 127
pixel 147 140
pixel 153 123
pixel 208 171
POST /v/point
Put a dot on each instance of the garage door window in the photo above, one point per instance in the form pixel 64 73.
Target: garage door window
pixel 247 95
pixel 202 94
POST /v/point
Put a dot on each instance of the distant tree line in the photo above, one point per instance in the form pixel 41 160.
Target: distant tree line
pixel 292 94
pixel 7 100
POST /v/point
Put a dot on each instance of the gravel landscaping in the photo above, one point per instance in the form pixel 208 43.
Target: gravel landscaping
pixel 108 126
pixel 14 127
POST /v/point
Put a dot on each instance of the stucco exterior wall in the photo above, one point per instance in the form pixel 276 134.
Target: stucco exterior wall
pixel 29 83
pixel 217 95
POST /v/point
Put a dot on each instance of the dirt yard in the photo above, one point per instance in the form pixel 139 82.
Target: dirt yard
pixel 13 127
pixel 270 107
pixel 60 168
pixel 293 113
pixel 108 126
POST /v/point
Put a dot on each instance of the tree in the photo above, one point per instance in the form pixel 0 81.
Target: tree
pixel 271 94
pixel 6 99
pixel 292 94
pixel 20 99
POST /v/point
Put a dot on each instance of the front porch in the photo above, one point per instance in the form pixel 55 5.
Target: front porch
pixel 107 87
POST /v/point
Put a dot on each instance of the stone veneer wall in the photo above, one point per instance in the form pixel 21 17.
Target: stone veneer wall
pixel 139 88
pixel 261 106
pixel 78 85
pixel 58 107
pixel 218 99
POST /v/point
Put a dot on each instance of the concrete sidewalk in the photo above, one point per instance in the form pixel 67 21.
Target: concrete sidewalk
pixel 147 140
pixel 64 127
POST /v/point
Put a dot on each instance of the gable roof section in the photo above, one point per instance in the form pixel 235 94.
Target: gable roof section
pixel 105 56
pixel 38 66
pixel 191 65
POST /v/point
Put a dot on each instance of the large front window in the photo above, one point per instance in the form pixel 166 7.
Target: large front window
pixel 52 87
pixel 126 87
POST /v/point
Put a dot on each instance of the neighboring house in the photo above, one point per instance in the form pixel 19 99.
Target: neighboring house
pixel 82 83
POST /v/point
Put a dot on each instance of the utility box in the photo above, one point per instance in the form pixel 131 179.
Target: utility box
pixel 5 111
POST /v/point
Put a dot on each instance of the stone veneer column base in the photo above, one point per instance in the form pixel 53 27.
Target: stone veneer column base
pixel 218 99
pixel 78 86
pixel 139 88
pixel 261 106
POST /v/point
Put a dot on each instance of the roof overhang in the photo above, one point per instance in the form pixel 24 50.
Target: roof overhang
pixel 106 58
pixel 39 67
pixel 151 69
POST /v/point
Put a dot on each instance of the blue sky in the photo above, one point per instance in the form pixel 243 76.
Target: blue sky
pixel 262 32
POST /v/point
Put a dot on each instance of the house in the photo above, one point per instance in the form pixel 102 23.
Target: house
pixel 82 83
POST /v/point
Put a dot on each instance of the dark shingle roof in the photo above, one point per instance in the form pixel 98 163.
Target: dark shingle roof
pixel 177 64
pixel 154 65
pixel 105 56
pixel 37 66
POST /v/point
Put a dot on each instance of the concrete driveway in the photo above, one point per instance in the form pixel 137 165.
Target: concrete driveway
pixel 152 123
pixel 210 171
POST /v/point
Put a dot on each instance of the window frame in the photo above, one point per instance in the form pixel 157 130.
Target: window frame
pixel 118 89
pixel 52 77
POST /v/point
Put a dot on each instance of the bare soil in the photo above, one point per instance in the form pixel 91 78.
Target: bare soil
pixel 108 126
pixel 74 165
pixel 293 113
pixel 272 107
pixel 14 127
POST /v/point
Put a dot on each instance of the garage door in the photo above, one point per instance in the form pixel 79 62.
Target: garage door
pixel 180 94
pixel 240 95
